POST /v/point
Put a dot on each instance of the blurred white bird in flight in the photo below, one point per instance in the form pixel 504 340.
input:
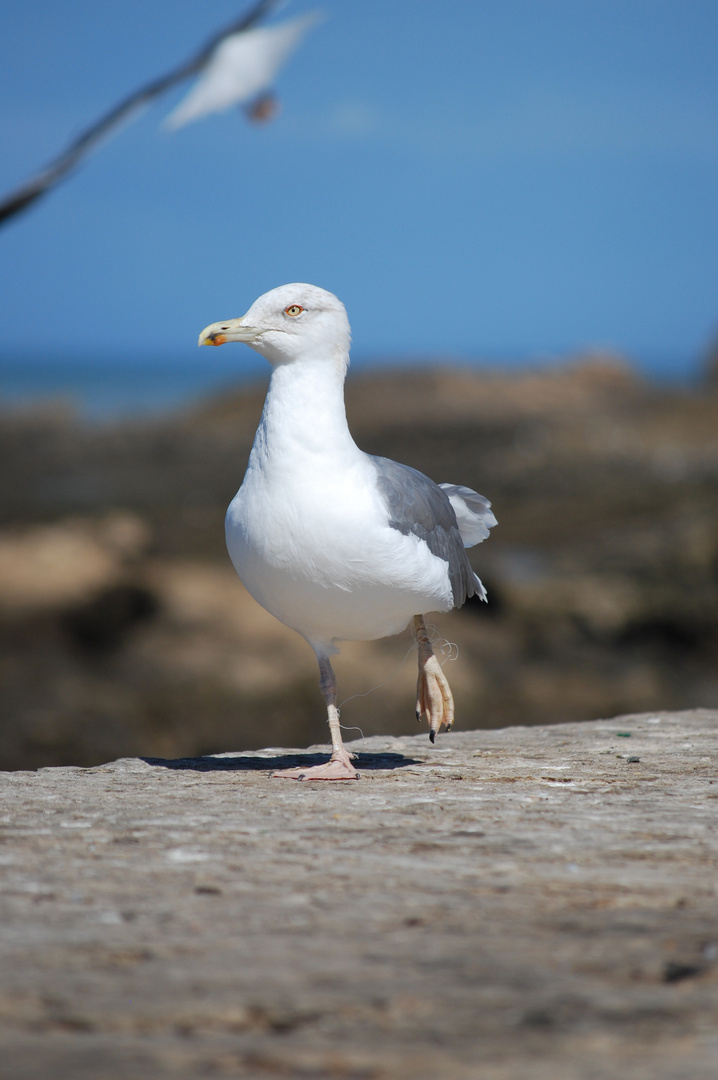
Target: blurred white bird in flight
pixel 338 544
pixel 241 63
pixel 241 70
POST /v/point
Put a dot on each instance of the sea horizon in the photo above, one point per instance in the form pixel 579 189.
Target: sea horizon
pixel 113 388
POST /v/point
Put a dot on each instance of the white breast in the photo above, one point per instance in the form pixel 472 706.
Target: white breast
pixel 315 549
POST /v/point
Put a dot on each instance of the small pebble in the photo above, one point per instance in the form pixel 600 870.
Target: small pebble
pixel 633 760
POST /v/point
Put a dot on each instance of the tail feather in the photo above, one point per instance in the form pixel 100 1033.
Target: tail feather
pixel 474 515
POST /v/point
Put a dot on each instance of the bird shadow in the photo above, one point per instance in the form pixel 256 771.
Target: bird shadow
pixel 240 763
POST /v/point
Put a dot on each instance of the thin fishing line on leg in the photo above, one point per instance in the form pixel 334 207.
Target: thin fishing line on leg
pixel 365 693
pixel 449 650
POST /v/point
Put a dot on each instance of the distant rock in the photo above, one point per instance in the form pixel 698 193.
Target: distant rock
pixel 124 631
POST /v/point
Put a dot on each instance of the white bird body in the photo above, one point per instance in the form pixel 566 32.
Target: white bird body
pixel 307 531
pixel 337 544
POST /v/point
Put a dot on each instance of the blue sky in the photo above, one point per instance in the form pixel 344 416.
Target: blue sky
pixel 473 179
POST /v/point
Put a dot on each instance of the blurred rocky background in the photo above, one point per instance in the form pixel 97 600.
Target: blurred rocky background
pixel 126 632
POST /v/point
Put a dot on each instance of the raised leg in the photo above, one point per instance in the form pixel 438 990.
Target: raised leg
pixel 339 766
pixel 434 700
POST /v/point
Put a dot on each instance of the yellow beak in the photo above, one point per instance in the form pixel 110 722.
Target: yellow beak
pixel 218 333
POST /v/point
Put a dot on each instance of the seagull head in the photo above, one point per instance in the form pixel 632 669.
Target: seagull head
pixel 288 324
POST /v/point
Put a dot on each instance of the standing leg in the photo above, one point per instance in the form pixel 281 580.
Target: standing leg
pixel 434 699
pixel 339 766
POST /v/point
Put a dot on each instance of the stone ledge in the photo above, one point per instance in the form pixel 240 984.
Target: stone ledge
pixel 529 902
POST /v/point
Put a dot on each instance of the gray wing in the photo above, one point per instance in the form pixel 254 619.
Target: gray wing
pixel 419 506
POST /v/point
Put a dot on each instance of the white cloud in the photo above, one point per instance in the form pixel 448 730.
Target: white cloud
pixel 540 121
pixel 352 120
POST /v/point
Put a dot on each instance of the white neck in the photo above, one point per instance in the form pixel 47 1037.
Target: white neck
pixel 304 416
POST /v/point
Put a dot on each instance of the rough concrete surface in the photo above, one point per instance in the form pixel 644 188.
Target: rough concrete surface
pixel 530 902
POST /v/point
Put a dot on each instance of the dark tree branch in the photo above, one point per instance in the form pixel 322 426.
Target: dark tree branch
pixel 38 185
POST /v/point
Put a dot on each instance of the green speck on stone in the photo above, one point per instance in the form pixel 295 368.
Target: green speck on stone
pixel 623 734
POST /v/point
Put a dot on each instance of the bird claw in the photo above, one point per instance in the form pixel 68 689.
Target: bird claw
pixel 337 768
pixel 434 699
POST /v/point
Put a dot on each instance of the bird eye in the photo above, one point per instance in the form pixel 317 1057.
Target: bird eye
pixel 293 309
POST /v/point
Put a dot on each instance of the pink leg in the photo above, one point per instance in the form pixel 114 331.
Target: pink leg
pixel 434 699
pixel 339 766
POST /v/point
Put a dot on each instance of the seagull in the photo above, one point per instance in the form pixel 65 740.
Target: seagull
pixel 337 544
pixel 242 70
